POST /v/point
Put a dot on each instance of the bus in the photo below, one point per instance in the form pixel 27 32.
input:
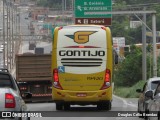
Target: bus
pixel 82 66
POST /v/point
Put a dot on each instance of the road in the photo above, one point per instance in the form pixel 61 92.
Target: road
pixel 119 105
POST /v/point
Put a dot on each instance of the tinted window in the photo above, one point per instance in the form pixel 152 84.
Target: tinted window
pixel 5 80
pixel 157 90
pixel 154 84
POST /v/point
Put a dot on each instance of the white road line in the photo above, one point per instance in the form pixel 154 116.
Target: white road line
pixel 125 102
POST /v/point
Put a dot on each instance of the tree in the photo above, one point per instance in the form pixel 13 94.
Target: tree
pixel 129 71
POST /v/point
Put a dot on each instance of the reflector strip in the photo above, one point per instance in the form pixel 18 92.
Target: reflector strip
pixel 81 47
pixel 23 88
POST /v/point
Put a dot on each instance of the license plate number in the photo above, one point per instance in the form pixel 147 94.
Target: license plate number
pixel 81 94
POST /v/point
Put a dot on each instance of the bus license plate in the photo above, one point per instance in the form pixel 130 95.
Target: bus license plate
pixel 81 94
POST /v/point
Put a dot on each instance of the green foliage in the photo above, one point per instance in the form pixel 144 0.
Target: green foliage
pixel 129 92
pixel 129 70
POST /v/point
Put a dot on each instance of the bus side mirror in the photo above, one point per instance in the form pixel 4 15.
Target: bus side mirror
pixel 115 56
pixel 115 59
pixel 149 94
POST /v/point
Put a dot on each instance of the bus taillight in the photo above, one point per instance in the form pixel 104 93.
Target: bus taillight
pixel 56 83
pixel 107 81
pixel 60 28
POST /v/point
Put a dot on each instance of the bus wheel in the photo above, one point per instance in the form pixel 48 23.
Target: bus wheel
pixel 108 105
pixel 66 106
pixel 104 106
pixel 59 106
pixel 100 106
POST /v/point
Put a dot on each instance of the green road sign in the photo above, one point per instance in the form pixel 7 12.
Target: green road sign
pixel 92 8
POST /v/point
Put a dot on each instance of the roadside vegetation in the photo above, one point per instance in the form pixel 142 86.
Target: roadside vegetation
pixel 128 73
pixel 129 92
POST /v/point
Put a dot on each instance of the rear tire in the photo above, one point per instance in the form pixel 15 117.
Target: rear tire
pixel 66 106
pixel 100 106
pixel 109 106
pixel 59 106
pixel 104 105
pixel 146 117
pixel 158 115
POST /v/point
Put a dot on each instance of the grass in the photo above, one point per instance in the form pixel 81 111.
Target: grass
pixel 129 92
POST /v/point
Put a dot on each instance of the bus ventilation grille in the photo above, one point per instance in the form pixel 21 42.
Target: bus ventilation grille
pixel 81 62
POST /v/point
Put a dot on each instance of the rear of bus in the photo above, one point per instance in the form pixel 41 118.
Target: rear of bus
pixel 82 64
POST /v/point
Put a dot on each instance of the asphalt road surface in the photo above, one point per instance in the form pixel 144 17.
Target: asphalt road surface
pixel 120 107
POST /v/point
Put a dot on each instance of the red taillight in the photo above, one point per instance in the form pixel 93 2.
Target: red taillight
pixel 56 83
pixel 55 75
pixel 9 101
pixel 104 28
pixel 107 81
pixel 107 76
pixel 60 28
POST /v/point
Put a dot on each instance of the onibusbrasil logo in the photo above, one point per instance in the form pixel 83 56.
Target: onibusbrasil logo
pixel 81 37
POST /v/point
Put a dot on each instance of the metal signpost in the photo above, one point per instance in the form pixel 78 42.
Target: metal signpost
pixel 93 12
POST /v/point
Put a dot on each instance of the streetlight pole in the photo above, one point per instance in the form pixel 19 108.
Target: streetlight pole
pixel 4 41
pixel 63 2
pixel 12 43
pixel 154 45
pixel 10 39
pixel 65 8
pixel 144 68
pixel 7 34
pixel 73 11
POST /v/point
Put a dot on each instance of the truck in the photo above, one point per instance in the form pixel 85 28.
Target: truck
pixel 33 74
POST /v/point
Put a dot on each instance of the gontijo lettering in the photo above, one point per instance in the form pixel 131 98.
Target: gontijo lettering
pixel 81 53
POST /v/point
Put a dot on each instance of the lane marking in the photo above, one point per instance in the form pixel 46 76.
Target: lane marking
pixel 125 102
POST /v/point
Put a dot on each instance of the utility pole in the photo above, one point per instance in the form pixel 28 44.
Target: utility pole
pixel 4 41
pixel 144 68
pixel 154 45
pixel 65 5
pixel 12 43
pixel 7 33
pixel 63 10
pixel 73 11
pixel 10 39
